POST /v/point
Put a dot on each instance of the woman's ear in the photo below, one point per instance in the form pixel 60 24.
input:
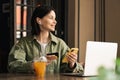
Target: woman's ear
pixel 38 20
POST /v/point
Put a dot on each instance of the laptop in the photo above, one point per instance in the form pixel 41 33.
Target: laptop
pixel 98 54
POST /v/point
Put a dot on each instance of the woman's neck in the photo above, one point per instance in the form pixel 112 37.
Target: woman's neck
pixel 43 37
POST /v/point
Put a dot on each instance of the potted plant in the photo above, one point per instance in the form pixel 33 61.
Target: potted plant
pixel 108 74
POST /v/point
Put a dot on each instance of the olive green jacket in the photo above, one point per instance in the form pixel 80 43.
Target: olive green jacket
pixel 23 52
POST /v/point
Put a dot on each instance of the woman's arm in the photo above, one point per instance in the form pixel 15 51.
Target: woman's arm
pixel 66 67
pixel 17 59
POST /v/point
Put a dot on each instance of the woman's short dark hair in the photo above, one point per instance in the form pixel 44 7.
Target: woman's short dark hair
pixel 40 11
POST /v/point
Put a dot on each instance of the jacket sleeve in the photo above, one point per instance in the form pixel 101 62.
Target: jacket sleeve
pixel 17 60
pixel 64 68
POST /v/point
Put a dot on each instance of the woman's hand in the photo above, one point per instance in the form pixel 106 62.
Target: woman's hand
pixel 50 58
pixel 72 58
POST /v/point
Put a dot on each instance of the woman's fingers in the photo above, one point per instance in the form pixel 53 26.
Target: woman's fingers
pixel 72 57
pixel 51 57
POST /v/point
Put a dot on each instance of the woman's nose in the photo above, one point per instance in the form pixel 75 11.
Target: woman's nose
pixel 55 22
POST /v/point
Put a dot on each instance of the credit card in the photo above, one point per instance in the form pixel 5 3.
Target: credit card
pixel 55 53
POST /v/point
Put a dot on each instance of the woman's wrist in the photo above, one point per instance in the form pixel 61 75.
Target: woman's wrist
pixel 72 65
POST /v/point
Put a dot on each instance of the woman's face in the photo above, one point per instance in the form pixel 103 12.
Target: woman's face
pixel 48 22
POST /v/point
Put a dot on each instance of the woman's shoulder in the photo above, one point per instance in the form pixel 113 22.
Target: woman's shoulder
pixel 27 38
pixel 57 39
pixel 60 39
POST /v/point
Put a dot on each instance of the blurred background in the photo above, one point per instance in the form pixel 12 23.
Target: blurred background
pixel 77 22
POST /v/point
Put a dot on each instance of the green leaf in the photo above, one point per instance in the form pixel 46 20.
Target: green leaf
pixel 108 74
pixel 118 66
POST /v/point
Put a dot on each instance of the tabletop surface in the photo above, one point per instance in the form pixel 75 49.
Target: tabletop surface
pixel 33 77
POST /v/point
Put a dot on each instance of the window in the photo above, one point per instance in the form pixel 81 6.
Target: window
pixel 21 17
pixel 23 11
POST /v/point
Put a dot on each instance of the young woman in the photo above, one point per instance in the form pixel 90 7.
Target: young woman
pixel 41 42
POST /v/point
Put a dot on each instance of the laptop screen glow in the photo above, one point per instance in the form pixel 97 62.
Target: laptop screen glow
pixel 99 54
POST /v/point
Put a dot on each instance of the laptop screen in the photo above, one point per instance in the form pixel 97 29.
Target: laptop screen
pixel 99 54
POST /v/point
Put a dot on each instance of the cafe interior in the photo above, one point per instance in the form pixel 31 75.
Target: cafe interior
pixel 78 21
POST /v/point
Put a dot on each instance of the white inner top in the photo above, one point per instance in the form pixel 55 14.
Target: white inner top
pixel 43 47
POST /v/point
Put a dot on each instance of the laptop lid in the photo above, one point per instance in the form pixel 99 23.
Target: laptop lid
pixel 99 54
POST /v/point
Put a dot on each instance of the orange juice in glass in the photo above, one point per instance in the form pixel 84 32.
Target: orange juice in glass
pixel 40 66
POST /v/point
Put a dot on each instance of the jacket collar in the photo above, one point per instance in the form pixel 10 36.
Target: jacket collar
pixel 53 38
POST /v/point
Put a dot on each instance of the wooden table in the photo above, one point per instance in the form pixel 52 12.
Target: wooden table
pixel 33 77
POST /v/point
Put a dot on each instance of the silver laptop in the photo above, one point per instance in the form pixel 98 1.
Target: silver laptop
pixel 98 54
